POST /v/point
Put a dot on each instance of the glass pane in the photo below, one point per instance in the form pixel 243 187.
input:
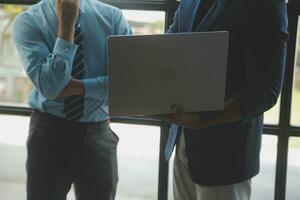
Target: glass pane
pixel 293 173
pixel 14 85
pixel 263 184
pixel 271 117
pixel 13 156
pixel 145 22
pixel 295 112
pixel 138 157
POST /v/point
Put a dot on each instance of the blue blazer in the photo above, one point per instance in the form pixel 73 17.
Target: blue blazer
pixel 229 153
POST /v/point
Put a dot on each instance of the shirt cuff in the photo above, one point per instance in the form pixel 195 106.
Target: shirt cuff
pixel 95 88
pixel 65 49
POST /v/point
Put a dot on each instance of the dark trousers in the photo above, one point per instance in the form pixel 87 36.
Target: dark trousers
pixel 62 152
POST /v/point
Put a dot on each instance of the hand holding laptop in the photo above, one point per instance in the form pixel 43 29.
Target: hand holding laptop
pixel 202 120
pixel 193 120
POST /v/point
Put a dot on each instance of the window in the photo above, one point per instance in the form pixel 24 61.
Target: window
pixel 145 22
pixel 295 112
pixel 293 174
pixel 14 84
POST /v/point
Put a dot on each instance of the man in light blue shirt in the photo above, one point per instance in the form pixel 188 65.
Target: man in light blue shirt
pixel 62 44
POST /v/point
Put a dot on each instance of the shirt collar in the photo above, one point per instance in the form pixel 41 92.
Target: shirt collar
pixel 81 6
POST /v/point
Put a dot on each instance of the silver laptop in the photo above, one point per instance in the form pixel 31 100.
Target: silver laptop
pixel 148 74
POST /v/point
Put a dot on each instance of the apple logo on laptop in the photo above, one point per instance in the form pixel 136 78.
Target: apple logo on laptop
pixel 168 74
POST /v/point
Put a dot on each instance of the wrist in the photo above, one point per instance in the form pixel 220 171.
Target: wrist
pixel 66 32
pixel 231 112
pixel 220 117
pixel 215 118
pixel 78 87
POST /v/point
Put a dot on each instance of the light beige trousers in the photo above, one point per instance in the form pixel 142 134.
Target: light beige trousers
pixel 185 189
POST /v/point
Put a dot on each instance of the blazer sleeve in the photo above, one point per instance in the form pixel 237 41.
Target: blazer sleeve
pixel 264 51
pixel 174 27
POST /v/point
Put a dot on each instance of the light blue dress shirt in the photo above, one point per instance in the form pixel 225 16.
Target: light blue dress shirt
pixel 48 59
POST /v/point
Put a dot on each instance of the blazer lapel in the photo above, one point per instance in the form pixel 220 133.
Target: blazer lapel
pixel 188 10
pixel 211 15
pixel 195 6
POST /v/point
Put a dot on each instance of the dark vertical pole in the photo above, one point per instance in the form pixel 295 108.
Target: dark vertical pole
pixel 163 164
pixel 281 168
pixel 285 107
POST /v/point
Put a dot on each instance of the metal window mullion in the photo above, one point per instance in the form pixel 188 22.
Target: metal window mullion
pixel 272 130
pixel 131 5
pixel 15 110
pixel 163 164
pixel 163 173
pixel 140 5
pixel 19 2
pixel 285 108
pixel 281 167
pixel 294 132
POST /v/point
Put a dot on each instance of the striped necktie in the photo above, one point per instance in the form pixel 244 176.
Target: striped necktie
pixel 74 105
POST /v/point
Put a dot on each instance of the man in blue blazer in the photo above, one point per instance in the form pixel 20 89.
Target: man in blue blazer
pixel 218 152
